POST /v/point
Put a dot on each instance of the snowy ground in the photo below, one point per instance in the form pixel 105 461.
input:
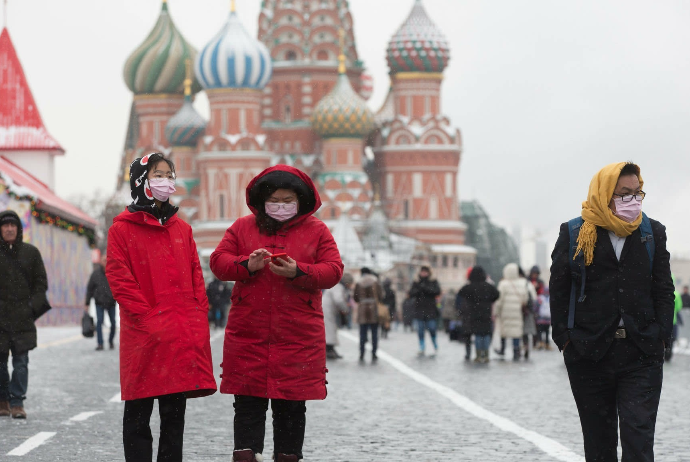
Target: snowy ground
pixel 403 408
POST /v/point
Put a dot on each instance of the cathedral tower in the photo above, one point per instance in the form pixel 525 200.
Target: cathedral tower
pixel 234 69
pixel 303 39
pixel 417 151
pixel 155 73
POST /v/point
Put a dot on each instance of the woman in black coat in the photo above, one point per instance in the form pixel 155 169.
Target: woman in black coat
pixel 478 297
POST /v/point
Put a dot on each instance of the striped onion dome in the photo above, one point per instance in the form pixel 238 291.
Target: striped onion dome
pixel 157 65
pixel 186 126
pixel 233 59
pixel 418 46
pixel 342 113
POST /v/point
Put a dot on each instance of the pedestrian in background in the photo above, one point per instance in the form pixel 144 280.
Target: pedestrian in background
pixel 367 295
pixel 275 340
pixel 529 325
pixel 543 319
pixel 677 319
pixel 99 289
pixel 335 301
pixel 408 313
pixel 478 297
pixel 508 310
pixel 23 286
pixel 685 297
pixel 448 312
pixel 613 339
pixel 424 292
pixel 218 293
pixel 390 302
pixel 154 272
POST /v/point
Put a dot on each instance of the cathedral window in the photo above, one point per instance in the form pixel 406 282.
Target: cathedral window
pixel 406 209
pixel 417 185
pixel 444 261
pixel 433 208
pixel 456 261
pixel 287 114
pixel 290 56
pixel 389 185
pixel 221 206
pixel 449 185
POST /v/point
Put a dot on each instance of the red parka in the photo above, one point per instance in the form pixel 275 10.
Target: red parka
pixel 275 345
pixel 154 274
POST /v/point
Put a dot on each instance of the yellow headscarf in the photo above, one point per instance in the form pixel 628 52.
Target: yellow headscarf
pixel 596 211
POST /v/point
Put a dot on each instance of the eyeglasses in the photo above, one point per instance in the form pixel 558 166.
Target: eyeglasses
pixel 639 196
pixel 287 206
pixel 160 174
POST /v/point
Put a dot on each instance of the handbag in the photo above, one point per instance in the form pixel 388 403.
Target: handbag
pixel 88 328
pixel 384 315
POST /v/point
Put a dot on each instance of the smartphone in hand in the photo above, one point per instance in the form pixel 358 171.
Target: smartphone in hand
pixel 276 256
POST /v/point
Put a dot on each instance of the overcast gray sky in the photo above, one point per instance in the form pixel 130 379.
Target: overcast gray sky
pixel 545 92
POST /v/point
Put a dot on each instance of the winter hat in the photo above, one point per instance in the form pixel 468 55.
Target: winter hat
pixel 139 183
pixel 425 268
pixel 9 218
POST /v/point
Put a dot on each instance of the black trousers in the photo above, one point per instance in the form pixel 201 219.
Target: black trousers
pixel 136 432
pixel 289 423
pixel 623 388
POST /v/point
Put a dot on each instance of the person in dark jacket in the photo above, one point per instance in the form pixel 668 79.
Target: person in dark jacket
pixel 389 301
pixel 614 351
pixel 478 297
pixel 23 286
pixel 408 313
pixel 99 289
pixel 218 293
pixel 424 292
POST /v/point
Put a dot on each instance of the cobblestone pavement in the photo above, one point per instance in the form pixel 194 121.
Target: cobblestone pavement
pixel 402 408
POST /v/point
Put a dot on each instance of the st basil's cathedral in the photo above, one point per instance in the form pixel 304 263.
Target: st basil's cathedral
pixel 297 96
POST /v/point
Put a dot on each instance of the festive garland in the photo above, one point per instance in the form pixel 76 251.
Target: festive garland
pixel 46 218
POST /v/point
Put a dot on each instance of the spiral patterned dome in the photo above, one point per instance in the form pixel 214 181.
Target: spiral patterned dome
pixel 186 126
pixel 157 65
pixel 342 113
pixel 234 59
pixel 418 46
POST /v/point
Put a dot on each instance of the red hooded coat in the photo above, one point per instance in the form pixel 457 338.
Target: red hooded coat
pixel 154 274
pixel 275 345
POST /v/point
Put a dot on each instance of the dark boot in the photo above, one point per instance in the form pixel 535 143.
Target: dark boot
pixel 516 354
pixel 4 408
pixel 287 458
pixel 246 455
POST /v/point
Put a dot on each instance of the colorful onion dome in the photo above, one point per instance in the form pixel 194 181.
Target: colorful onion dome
pixel 186 126
pixel 342 113
pixel 418 46
pixel 157 66
pixel 234 59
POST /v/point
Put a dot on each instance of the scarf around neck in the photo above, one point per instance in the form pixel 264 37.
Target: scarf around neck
pixel 596 211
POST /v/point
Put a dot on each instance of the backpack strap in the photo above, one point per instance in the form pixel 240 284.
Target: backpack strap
pixel 577 268
pixel 648 239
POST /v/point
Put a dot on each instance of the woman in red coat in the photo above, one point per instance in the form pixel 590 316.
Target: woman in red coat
pixel 154 273
pixel 275 345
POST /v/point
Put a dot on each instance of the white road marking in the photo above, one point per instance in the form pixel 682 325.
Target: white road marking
pixel 117 398
pixel 61 341
pixel 84 415
pixel 545 444
pixel 31 444
pixel 217 335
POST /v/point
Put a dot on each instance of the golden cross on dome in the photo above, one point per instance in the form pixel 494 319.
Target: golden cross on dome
pixel 233 6
pixel 341 57
pixel 188 77
pixel 4 14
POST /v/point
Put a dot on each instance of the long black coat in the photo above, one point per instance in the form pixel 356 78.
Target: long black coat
pixel 99 289
pixel 23 286
pixel 477 299
pixel 614 290
pixel 424 293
